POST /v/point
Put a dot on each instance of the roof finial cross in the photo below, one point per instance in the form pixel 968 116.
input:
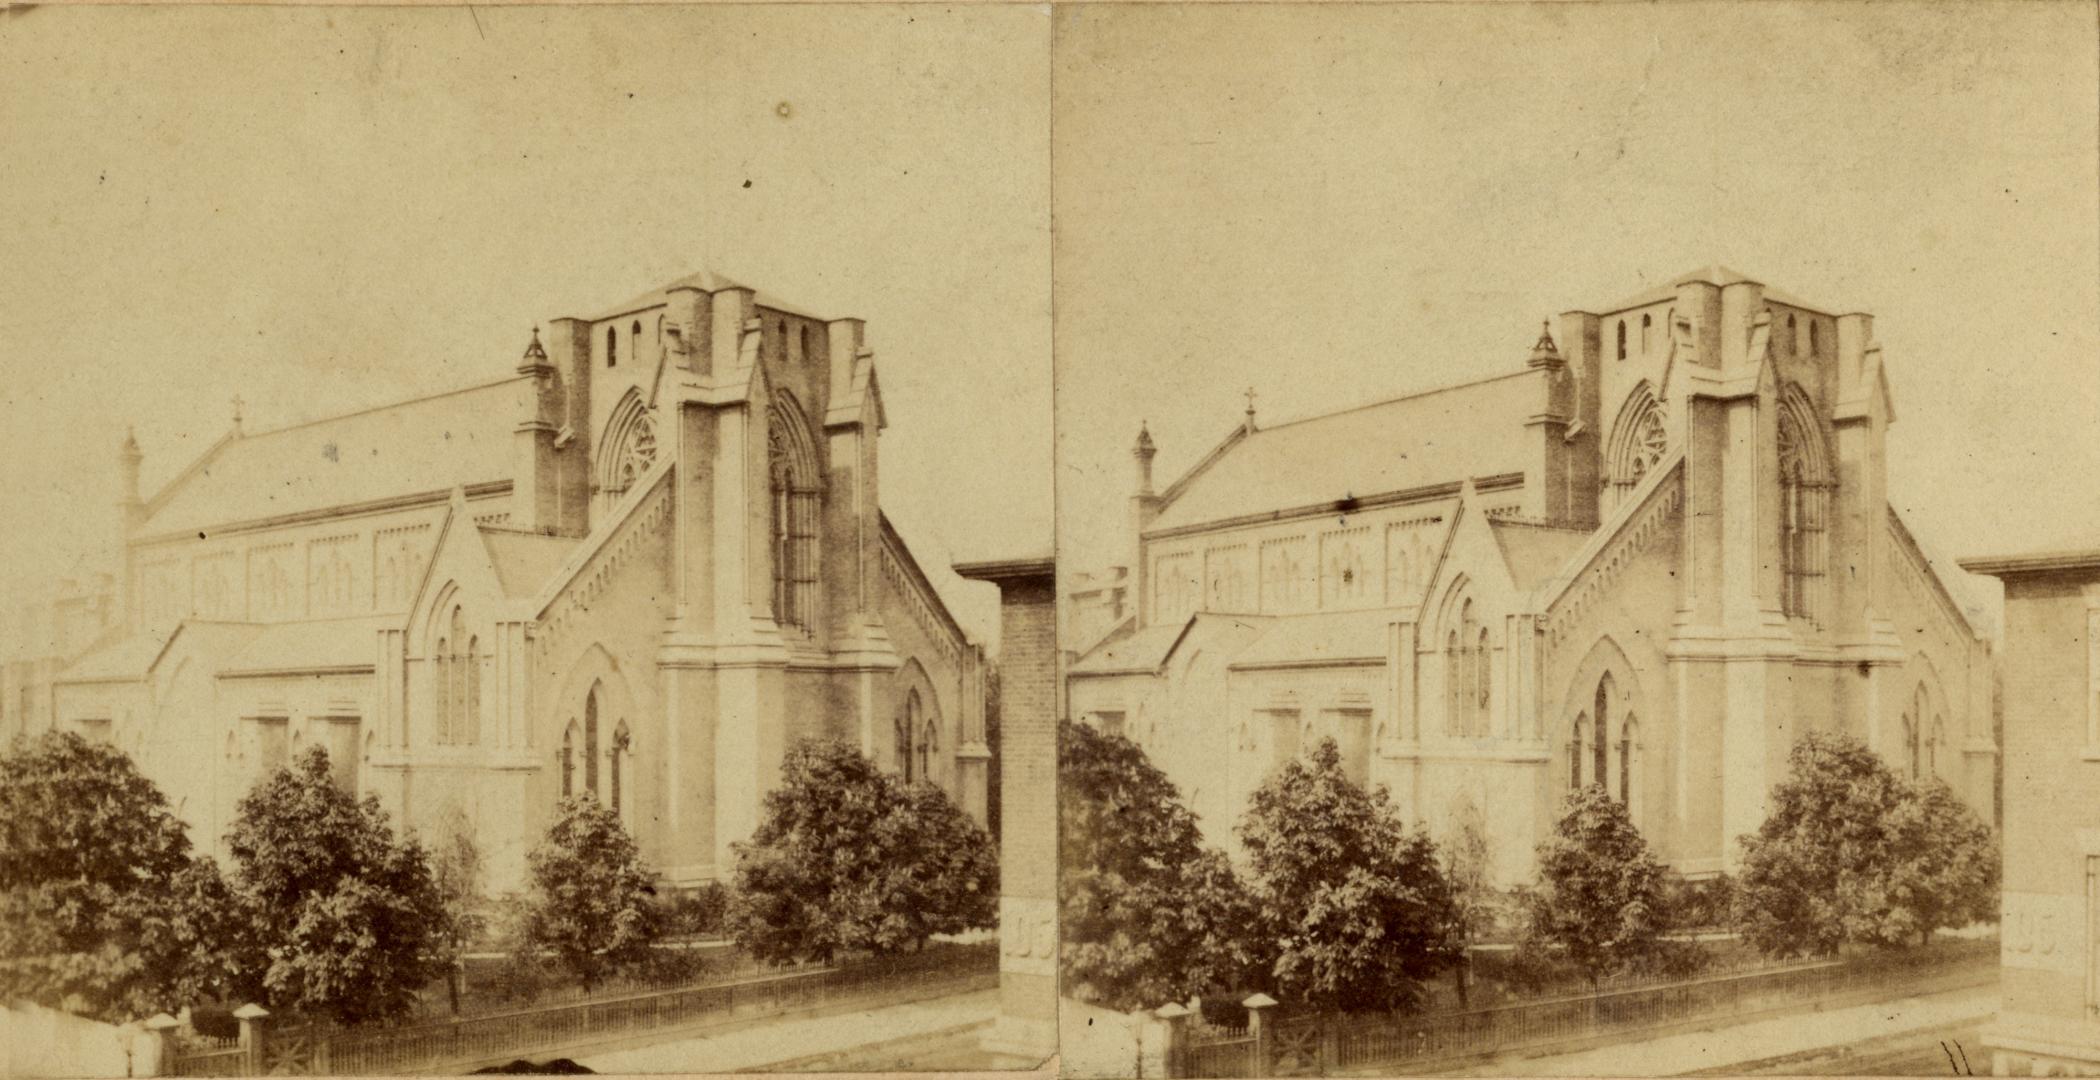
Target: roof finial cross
pixel 1250 403
pixel 237 403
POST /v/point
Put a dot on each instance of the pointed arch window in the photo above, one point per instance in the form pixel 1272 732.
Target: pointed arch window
pixel 568 760
pixel 1910 745
pixel 928 747
pixel 1454 678
pixel 1622 339
pixel 906 734
pixel 1804 498
pixel 1639 439
pixel 629 446
pixel 612 346
pixel 590 741
pixel 795 507
pixel 1483 681
pixel 616 767
pixel 1629 763
pixel 1578 748
pixel 1600 744
pixel 442 675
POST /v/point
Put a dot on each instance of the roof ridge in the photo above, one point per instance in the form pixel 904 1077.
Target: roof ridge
pixel 1259 429
pixel 383 407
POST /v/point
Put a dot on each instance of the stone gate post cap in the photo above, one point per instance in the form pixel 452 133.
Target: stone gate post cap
pixel 250 1011
pixel 1259 1001
pixel 161 1022
pixel 1172 1010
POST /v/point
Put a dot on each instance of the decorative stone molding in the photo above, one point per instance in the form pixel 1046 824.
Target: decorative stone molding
pixel 916 601
pixel 598 571
pixel 1601 573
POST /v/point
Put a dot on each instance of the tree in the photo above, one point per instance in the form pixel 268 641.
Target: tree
pixel 847 859
pixel 1146 913
pixel 456 872
pixel 346 914
pixel 591 901
pixel 1851 853
pixel 1467 859
pixel 104 910
pixel 1599 900
pixel 1361 909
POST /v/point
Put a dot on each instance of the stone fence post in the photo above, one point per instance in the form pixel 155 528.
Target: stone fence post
pixel 252 1017
pixel 163 1028
pixel 1173 1023
pixel 1262 1028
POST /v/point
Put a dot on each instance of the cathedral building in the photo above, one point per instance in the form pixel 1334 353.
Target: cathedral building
pixel 640 562
pixel 1648 556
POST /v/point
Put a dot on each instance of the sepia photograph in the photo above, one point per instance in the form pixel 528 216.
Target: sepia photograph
pixel 1534 483
pixel 521 513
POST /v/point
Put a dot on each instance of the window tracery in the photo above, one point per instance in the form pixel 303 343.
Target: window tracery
pixel 1639 441
pixel 795 499
pixel 1804 486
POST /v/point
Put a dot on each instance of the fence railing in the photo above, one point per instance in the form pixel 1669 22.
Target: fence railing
pixel 1315 1045
pixel 383 1050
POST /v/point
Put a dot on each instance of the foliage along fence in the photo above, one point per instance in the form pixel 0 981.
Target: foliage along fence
pixel 316 1050
pixel 1323 1046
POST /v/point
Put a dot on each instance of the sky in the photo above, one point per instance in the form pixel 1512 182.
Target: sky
pixel 1334 206
pixel 320 210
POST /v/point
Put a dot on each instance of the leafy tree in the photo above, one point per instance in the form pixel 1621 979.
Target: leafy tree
pixel 1467 860
pixel 346 915
pixel 1599 900
pixel 1851 853
pixel 456 871
pixel 103 908
pixel 847 859
pixel 1146 913
pixel 592 901
pixel 1360 905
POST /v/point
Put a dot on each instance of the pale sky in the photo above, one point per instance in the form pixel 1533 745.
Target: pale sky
pixel 323 210
pixel 1341 205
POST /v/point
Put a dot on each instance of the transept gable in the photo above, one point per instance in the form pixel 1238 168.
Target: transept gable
pixel 1638 523
pixel 460 569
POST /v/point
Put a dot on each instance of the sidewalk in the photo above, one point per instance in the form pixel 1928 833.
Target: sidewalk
pixel 1759 1040
pixel 758 1045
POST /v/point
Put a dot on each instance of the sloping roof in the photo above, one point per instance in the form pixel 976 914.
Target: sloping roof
pixel 310 646
pixel 1329 637
pixel 1149 649
pixel 425 445
pixel 1442 436
pixel 1534 552
pixel 1714 275
pixel 125 658
pixel 706 281
pixel 525 561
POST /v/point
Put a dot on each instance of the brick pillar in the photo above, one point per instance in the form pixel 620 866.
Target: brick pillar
pixel 252 1017
pixel 1027 1024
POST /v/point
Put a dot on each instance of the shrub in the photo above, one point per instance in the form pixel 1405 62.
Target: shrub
pixel 592 902
pixel 1361 911
pixel 1852 853
pixel 1147 914
pixel 104 910
pixel 346 917
pixel 846 859
pixel 1599 900
pixel 698 912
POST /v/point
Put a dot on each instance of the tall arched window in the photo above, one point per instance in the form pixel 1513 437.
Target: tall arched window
pixel 795 510
pixel 1483 680
pixel 612 346
pixel 616 766
pixel 634 338
pixel 590 741
pixel 906 733
pixel 469 730
pixel 1578 740
pixel 1647 321
pixel 441 668
pixel 1622 339
pixel 1629 759
pixel 568 760
pixel 1600 765
pixel 1454 682
pixel 1910 745
pixel 1804 495
pixel 928 747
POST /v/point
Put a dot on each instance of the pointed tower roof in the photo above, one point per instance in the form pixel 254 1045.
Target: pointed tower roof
pixel 1544 353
